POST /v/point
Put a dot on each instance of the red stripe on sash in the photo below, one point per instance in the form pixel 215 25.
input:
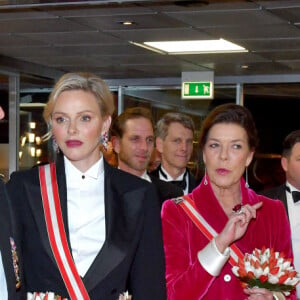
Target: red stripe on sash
pixel 81 291
pixel 196 221
pixel 235 253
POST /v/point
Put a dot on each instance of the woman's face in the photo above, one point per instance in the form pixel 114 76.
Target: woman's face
pixel 226 154
pixel 77 125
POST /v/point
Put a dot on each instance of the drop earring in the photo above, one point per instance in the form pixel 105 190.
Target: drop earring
pixel 54 145
pixel 246 175
pixel 205 179
pixel 104 140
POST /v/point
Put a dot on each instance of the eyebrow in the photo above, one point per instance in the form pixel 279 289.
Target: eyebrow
pixel 78 113
pixel 233 141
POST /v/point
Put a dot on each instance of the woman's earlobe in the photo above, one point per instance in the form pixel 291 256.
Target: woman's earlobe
pixel 2 114
pixel 249 160
pixel 107 123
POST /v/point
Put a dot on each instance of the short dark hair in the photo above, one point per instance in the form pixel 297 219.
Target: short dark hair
pixel 230 113
pixel 289 142
pixel 118 124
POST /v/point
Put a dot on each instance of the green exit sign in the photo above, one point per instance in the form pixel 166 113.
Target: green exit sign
pixel 197 90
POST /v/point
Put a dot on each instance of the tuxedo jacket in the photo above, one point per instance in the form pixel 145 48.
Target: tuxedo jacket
pixel 278 192
pixel 7 236
pixel 165 190
pixel 191 177
pixel 132 257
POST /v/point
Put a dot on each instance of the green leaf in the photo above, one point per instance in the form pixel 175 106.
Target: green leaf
pixel 267 285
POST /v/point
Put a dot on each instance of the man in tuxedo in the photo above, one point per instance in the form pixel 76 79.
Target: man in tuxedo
pixel 132 136
pixel 289 192
pixel 174 140
pixel 10 282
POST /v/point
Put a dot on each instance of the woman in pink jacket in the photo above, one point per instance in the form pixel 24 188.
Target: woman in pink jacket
pixel 198 267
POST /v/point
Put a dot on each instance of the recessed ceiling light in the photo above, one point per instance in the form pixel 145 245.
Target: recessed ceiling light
pixel 193 46
pixel 126 23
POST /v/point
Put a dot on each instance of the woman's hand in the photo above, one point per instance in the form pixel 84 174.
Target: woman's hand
pixel 236 226
pixel 258 294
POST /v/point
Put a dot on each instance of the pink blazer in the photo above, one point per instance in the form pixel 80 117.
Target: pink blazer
pixel 185 277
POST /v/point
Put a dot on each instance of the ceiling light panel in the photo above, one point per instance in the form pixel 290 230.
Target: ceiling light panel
pixel 195 46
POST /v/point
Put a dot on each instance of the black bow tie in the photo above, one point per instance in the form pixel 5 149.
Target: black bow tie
pixel 179 183
pixel 295 194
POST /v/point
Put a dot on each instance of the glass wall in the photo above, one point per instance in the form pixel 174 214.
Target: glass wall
pixel 21 144
pixel 33 150
pixel 162 100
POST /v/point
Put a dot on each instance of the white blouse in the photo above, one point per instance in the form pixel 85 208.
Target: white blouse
pixel 86 213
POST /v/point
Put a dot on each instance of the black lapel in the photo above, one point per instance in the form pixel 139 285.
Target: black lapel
pixel 122 220
pixel 62 189
pixel 192 182
pixel 155 172
pixel 282 196
pixel 38 211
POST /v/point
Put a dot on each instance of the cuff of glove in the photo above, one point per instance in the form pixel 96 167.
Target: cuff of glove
pixel 211 259
pixel 278 296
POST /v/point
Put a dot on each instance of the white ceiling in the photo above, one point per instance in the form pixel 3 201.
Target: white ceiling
pixel 46 39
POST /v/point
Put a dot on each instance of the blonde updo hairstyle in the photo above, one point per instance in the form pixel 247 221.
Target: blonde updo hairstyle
pixel 87 82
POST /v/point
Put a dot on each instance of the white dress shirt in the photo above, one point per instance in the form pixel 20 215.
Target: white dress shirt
pixel 3 286
pixel 294 217
pixel 145 176
pixel 86 213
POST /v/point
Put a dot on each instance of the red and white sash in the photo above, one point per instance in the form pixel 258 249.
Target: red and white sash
pixel 57 235
pixel 188 205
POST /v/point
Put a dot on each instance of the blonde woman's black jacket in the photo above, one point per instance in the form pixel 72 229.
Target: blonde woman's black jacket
pixel 132 257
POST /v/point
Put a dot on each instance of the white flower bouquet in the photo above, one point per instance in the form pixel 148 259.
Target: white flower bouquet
pixel 44 296
pixel 267 269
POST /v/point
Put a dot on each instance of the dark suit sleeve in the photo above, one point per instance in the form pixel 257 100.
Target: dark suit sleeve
pixel 8 230
pixel 278 192
pixel 148 270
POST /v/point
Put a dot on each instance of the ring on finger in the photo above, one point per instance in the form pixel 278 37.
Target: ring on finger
pixel 238 209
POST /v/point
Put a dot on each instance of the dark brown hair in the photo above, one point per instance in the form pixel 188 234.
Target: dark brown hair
pixel 118 124
pixel 230 113
pixel 289 142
